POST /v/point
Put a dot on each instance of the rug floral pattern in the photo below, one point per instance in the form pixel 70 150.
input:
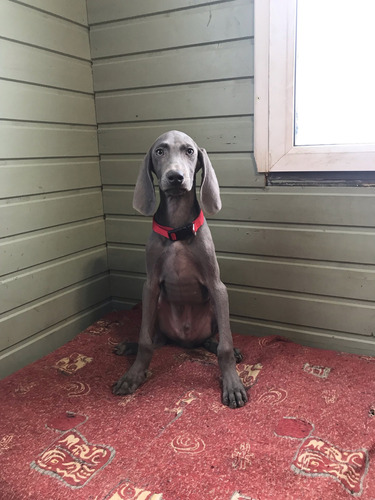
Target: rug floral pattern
pixel 308 431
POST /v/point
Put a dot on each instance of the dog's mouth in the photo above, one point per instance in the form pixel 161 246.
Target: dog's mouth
pixel 176 191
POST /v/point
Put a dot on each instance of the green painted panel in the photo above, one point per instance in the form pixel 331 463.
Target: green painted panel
pixel 334 207
pixel 113 10
pixel 41 30
pixel 18 288
pixel 304 310
pixel 127 258
pixel 351 208
pixel 74 10
pixel 118 201
pixel 323 339
pixel 127 286
pixel 202 25
pixel 41 314
pixel 27 177
pixel 29 140
pixel 122 304
pixel 217 135
pixel 236 169
pixel 319 278
pixel 47 68
pixel 132 230
pixel 49 210
pixel 299 242
pixel 120 170
pixel 31 249
pixel 218 61
pixel 204 100
pixel 19 101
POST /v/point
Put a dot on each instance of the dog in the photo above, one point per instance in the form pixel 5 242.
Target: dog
pixel 183 298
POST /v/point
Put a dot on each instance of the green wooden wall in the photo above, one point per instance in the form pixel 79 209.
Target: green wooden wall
pixel 298 261
pixel 53 263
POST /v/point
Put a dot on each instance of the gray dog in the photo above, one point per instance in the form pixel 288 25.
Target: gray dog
pixel 183 297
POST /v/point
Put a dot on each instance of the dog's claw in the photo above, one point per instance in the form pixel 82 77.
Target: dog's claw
pixel 234 393
pixel 238 355
pixel 128 383
pixel 126 348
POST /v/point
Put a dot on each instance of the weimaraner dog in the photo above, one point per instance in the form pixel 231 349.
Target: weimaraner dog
pixel 183 297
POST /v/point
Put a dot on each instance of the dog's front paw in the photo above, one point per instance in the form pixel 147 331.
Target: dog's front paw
pixel 128 383
pixel 234 393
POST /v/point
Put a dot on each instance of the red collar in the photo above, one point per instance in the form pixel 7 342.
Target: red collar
pixel 179 233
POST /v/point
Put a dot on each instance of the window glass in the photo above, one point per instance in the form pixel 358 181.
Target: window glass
pixel 335 72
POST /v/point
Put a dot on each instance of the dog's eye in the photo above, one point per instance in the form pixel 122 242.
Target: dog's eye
pixel 159 151
pixel 190 151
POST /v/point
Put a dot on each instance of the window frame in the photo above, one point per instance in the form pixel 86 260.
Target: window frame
pixel 274 70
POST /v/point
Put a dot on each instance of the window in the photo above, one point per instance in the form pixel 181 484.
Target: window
pixel 314 85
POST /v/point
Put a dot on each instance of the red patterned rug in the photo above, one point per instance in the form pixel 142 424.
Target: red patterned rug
pixel 307 433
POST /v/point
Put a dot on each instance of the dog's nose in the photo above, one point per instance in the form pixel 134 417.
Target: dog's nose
pixel 175 177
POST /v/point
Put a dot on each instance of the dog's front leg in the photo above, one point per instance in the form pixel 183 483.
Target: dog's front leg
pixel 233 391
pixel 137 373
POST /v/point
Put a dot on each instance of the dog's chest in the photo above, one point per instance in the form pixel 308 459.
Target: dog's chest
pixel 180 277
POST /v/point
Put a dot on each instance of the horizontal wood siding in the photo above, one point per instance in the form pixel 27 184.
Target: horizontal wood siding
pixel 68 73
pixel 71 10
pixel 146 34
pixel 53 269
pixel 47 31
pixel 224 61
pixel 115 10
pixel 59 106
pixel 186 102
pixel 297 261
pixel 276 205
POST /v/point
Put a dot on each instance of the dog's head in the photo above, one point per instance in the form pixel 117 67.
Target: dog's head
pixel 175 159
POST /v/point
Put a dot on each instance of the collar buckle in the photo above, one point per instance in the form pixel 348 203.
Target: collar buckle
pixel 182 233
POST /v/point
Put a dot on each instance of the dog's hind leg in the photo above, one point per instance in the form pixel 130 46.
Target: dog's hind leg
pixel 126 348
pixel 211 346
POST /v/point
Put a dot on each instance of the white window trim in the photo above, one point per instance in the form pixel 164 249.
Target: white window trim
pixel 274 64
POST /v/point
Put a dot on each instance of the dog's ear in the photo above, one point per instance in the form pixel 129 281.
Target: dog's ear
pixel 210 191
pixel 144 199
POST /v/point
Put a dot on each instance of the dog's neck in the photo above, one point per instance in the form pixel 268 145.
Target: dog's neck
pixel 177 211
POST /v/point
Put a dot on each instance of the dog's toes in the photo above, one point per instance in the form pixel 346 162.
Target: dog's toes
pixel 118 389
pixel 241 397
pixel 128 383
pixel 236 399
pixel 234 394
pixel 122 388
pixel 238 355
pixel 120 349
pixel 126 349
